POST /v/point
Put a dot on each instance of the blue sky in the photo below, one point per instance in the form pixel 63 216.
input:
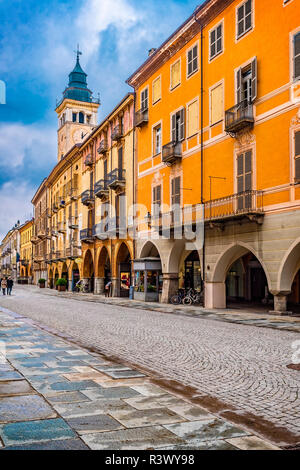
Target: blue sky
pixel 37 40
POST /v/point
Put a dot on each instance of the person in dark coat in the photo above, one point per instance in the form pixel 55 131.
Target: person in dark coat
pixel 10 284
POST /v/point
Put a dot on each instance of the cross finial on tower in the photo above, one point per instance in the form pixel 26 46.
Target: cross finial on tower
pixel 78 53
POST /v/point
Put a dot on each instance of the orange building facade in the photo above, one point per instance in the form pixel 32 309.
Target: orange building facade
pixel 218 131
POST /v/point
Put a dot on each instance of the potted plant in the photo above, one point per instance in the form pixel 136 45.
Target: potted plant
pixel 61 284
pixel 42 283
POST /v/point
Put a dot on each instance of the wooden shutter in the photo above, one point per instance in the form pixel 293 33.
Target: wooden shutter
pixel 297 56
pixel 182 125
pixel 105 169
pixel 120 158
pixel 156 90
pixel 175 74
pixel 254 79
pixel 174 127
pixel 297 169
pixel 216 104
pixel 297 144
pixel 190 62
pixel 193 118
pixel 239 86
pixel 75 181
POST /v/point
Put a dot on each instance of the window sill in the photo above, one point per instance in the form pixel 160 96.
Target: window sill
pixel 245 33
pixel 155 102
pixel 216 123
pixel 211 59
pixel 192 74
pixel 174 87
pixel 156 155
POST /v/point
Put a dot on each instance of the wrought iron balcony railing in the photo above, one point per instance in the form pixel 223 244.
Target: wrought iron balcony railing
pixel 73 194
pixel 116 178
pixel 247 203
pixel 171 152
pixel 141 117
pixel 73 252
pixel 103 147
pixel 73 222
pixel 101 189
pixel 89 161
pixel 100 230
pixel 87 197
pixel 239 117
pixel 61 226
pixel 117 133
pixel 86 235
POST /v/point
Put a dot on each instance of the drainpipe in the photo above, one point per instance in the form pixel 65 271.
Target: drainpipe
pixel 201 144
pixel 133 178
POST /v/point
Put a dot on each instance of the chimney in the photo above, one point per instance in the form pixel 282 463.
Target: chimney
pixel 151 51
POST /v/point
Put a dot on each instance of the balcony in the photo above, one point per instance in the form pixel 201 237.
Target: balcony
pixel 87 197
pixel 116 179
pixel 73 223
pixel 86 235
pixel 100 231
pixel 73 194
pixel 246 205
pixel 34 238
pixel 54 231
pixel 171 153
pixel 103 147
pixel 88 161
pixel 114 228
pixel 141 117
pixel 101 189
pixel 41 233
pixel 61 227
pixel 55 207
pixel 48 213
pixel 24 262
pixel 62 203
pixel 238 118
pixel 73 252
pixel 117 133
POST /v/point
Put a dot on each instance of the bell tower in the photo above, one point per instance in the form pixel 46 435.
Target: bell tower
pixel 76 111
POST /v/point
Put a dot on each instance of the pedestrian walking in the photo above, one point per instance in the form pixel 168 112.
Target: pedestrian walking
pixel 4 286
pixel 10 284
pixel 108 289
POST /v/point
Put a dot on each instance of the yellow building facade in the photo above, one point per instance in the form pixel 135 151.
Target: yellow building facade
pixel 219 131
pixel 25 262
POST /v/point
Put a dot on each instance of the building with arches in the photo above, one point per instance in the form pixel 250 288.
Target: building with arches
pixel 26 255
pixel 218 126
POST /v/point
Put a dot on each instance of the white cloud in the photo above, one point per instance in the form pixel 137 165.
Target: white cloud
pixel 16 204
pixel 20 141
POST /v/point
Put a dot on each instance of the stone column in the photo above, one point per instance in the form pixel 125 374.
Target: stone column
pixel 280 304
pixel 86 282
pixel 114 287
pixel 170 286
pixel 215 295
pixel 69 285
pixel 99 285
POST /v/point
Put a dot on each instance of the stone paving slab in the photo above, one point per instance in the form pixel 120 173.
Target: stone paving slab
pixel 60 397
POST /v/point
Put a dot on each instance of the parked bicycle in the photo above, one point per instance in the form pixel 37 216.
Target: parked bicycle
pixel 192 297
pixel 82 287
pixel 176 299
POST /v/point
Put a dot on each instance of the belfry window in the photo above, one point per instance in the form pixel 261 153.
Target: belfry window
pixel 81 118
pixel 74 117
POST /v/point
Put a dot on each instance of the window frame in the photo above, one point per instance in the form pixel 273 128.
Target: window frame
pixel 216 85
pixel 159 99
pixel 141 100
pixel 293 56
pixel 214 28
pixel 178 110
pixel 154 136
pixel 157 124
pixel 171 66
pixel 194 100
pixel 173 178
pixel 238 36
pixel 188 76
pixel 295 157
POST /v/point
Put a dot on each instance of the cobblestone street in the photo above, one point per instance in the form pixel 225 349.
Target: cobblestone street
pixel 239 372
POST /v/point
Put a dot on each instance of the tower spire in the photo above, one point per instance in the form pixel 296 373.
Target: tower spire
pixel 78 53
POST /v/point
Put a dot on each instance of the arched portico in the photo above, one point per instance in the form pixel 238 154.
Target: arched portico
pixel 103 271
pixel 215 286
pixel 88 270
pixel 288 281
pixel 123 271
